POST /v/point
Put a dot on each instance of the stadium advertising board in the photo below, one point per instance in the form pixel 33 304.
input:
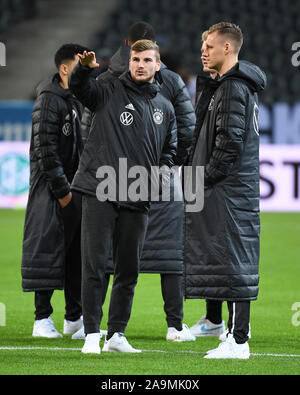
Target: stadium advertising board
pixel 280 177
pixel 15 120
pixel 279 170
pixel 278 124
pixel 14 174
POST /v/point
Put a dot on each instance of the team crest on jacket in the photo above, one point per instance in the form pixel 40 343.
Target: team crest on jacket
pixel 67 127
pixel 126 118
pixel 158 116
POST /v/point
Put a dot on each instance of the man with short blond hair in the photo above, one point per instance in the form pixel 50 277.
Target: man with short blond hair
pixel 131 121
pixel 145 45
pixel 222 241
pixel 228 31
pixel 162 252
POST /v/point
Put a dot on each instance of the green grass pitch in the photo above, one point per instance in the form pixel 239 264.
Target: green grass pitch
pixel 274 347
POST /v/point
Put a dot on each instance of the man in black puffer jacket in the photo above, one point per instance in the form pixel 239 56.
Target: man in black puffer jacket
pixel 162 252
pixel 51 243
pixel 132 123
pixel 222 241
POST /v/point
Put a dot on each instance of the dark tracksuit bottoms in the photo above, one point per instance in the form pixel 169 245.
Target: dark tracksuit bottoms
pixel 238 321
pixel 105 224
pixel 172 293
pixel 71 216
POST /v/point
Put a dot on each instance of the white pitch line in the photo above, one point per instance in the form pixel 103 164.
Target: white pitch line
pixel 40 348
pixel 157 351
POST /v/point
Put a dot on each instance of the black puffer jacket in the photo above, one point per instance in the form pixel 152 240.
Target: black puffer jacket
pixel 172 88
pixel 54 155
pixel 125 125
pixel 221 249
pixel 162 252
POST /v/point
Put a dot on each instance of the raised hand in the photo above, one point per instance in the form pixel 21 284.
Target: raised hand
pixel 88 59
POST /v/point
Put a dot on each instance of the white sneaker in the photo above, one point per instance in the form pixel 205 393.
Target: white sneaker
pixel 118 343
pixel 226 335
pixel 91 344
pixel 80 335
pixel 204 327
pixel 230 350
pixel 45 328
pixel 184 335
pixel 71 327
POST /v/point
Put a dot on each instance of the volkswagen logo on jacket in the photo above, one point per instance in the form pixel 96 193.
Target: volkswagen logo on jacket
pixel 126 118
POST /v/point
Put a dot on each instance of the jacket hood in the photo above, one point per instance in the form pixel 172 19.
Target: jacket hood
pixel 119 61
pixel 52 85
pixel 249 72
pixel 146 89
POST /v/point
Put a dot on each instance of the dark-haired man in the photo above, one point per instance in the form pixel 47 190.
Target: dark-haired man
pixel 51 244
pixel 222 241
pixel 162 252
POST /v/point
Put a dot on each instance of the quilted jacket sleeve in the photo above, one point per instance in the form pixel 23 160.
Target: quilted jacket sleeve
pixel 86 122
pixel 45 129
pixel 184 112
pixel 90 92
pixel 170 144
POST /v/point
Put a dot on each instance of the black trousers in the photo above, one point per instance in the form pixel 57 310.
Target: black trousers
pixel 105 224
pixel 238 321
pixel 72 288
pixel 172 293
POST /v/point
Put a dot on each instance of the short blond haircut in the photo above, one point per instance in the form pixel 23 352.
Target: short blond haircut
pixel 230 31
pixel 204 35
pixel 145 45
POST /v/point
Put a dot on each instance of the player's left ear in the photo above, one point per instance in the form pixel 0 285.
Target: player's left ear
pixel 64 69
pixel 227 47
pixel 158 65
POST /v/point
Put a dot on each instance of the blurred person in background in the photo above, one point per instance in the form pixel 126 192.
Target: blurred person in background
pixel 162 251
pixel 222 244
pixel 51 244
pixel 211 324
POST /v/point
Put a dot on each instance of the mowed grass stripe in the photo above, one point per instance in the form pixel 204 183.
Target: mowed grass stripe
pixel 274 346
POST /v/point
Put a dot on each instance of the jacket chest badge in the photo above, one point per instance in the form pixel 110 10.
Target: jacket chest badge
pixel 126 118
pixel 158 116
pixel 67 127
pixel 211 103
pixel 130 107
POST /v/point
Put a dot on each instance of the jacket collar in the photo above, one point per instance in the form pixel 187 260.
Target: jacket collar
pixel 52 85
pixel 206 81
pixel 146 89
pixel 251 74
